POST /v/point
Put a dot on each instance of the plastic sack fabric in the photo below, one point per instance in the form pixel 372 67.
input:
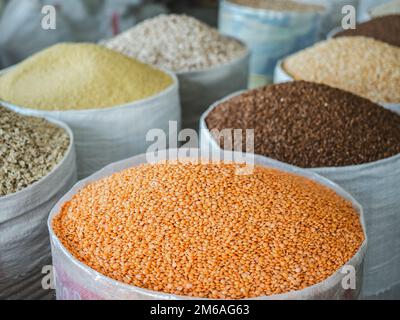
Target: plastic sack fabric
pixel 24 238
pixel 333 17
pixel 270 35
pixel 376 186
pixel 198 89
pixel 107 135
pixel 22 33
pixel 74 280
pixel 281 75
pixel 391 7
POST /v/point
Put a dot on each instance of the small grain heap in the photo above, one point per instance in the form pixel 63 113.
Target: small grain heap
pixel 279 5
pixel 386 29
pixel 80 76
pixel 29 149
pixel 201 230
pixel 177 42
pixel 311 125
pixel 364 66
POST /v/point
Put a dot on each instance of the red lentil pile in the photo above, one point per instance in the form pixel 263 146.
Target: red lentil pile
pixel 310 125
pixel 201 230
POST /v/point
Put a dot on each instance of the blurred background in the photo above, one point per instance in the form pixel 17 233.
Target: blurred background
pixel 92 20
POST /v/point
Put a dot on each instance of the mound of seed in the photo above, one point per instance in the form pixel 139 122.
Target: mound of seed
pixel 392 7
pixel 29 149
pixel 364 66
pixel 311 125
pixel 386 29
pixel 177 42
pixel 279 5
pixel 77 76
pixel 202 230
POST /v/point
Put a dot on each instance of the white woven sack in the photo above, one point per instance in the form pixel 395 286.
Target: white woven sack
pixel 333 17
pixel 24 238
pixel 198 89
pixel 269 34
pixel 376 186
pixel 280 75
pixel 74 280
pixel 107 135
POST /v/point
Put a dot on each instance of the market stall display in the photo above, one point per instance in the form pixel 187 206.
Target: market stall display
pixel 292 194
pixel 37 167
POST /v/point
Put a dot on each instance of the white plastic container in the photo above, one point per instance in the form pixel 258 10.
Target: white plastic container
pixel 281 75
pixel 74 280
pixel 24 237
pixel 376 186
pixel 198 89
pixel 269 34
pixel 107 135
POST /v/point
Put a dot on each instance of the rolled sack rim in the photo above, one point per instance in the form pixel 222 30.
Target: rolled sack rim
pixel 276 13
pixel 138 104
pixel 237 61
pixel 372 9
pixel 70 152
pixel 281 75
pixel 315 289
pixel 339 169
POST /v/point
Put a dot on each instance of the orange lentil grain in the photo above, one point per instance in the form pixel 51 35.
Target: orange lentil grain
pixel 225 236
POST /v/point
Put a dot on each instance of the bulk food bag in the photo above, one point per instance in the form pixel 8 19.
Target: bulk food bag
pixel 24 238
pixel 375 185
pixel 75 280
pixel 198 89
pixel 388 7
pixel 269 34
pixel 110 134
pixel 281 75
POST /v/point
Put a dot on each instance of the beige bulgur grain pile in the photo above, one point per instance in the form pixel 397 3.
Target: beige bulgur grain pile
pixel 279 5
pixel 201 230
pixel 364 66
pixel 177 42
pixel 30 148
pixel 308 125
